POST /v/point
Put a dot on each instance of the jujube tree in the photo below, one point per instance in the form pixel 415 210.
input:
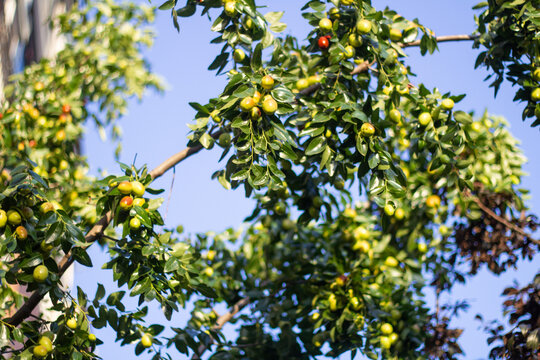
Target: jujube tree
pixel 305 126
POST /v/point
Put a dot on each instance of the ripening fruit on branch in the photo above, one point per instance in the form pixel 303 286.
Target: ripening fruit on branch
pixel 126 203
pixel 215 116
pixel 476 126
pixel 208 271
pixel 302 84
pixel 134 223
pixel 433 201
pixel 355 303
pixel 340 280
pixel 224 140
pixel 267 82
pixel 363 26
pixel 45 247
pixel 13 217
pixel 395 34
pixel 424 118
pixel 92 337
pixel 210 255
pixel 137 188
pixel 389 209
pixel 422 248
pixel 391 261
pixel 256 97
pixel 71 323
pixel 361 233
pixel 447 104
pixel 346 2
pixel 39 351
pixel 230 8
pixel 362 245
pixel 395 115
pixel 325 24
pixel 125 187
pixel 256 113
pixel 386 343
pixel 3 218
pixel 247 104
pixel 332 302
pixel 367 130
pixel 323 43
pixel 41 273
pixel 46 343
pixel 349 212
pixel 60 135
pixel 39 86
pixel 355 40
pixel 139 202
pixel 269 105
pixel 349 52
pixel 239 55
pixel 536 74
pixel 21 233
pixel 535 95
pixel 146 340
pixel 399 214
pixel 334 13
pixel 387 329
pixel 66 108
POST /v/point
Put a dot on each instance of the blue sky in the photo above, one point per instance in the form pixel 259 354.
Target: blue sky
pixel 156 128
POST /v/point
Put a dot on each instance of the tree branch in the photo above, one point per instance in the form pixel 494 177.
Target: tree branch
pixel 221 321
pixel 439 39
pixel 502 220
pixel 97 231
pixel 365 66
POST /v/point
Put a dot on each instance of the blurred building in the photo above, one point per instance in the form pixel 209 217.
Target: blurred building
pixel 25 34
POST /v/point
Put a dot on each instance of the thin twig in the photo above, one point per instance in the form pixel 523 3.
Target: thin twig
pixel 362 67
pixel 221 321
pixel 502 220
pixel 445 38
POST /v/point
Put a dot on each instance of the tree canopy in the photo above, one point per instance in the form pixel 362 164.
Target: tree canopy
pixel 369 188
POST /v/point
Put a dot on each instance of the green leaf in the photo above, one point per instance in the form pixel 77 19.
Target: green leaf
pixel 100 292
pixel 206 290
pixel 326 155
pixel 316 146
pixel 462 117
pixel 374 160
pixel 206 141
pixel 283 94
pixel 274 16
pixel 167 5
pixel 81 256
pixel 172 264
pixel 187 10
pixel 256 57
pixel 199 108
pixel 282 134
pixel 240 175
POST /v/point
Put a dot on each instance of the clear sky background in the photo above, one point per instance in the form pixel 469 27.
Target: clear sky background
pixel 156 129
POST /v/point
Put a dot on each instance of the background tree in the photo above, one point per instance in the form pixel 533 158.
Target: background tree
pixel 337 113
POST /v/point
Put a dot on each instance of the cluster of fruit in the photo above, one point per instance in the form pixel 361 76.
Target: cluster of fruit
pixel 20 221
pixel 129 188
pixel 45 346
pixel 269 105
